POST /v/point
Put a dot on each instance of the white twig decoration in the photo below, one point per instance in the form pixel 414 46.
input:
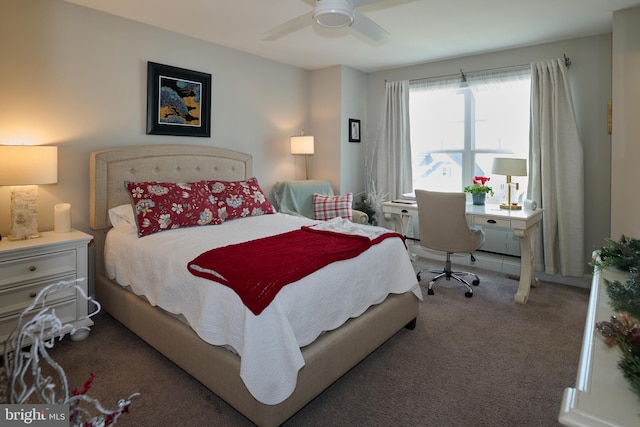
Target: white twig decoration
pixel 21 376
pixel 370 171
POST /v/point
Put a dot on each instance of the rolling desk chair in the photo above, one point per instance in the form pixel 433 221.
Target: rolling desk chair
pixel 444 227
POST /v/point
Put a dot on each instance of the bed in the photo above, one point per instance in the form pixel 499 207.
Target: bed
pixel 325 359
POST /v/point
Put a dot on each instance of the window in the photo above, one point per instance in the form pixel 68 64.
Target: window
pixel 456 132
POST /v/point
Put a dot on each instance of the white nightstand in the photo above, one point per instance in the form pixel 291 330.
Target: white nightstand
pixel 27 266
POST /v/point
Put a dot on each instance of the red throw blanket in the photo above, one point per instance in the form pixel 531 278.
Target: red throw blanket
pixel 258 269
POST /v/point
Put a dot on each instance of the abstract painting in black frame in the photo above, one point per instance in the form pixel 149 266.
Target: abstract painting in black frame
pixel 178 101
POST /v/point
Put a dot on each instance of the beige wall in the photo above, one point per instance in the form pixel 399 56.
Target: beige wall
pixel 625 171
pixel 590 79
pixel 324 112
pixel 76 78
pixel 337 94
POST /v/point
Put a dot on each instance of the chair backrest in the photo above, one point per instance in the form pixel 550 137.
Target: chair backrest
pixel 296 197
pixel 443 222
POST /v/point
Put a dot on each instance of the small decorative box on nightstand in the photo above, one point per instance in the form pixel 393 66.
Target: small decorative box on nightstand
pixel 27 266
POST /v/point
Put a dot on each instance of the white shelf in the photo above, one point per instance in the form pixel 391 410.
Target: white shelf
pixel 602 396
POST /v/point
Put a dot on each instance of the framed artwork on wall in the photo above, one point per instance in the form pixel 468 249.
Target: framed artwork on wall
pixel 354 130
pixel 178 101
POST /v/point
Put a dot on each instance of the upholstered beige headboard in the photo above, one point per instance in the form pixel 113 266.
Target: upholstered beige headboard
pixel 109 169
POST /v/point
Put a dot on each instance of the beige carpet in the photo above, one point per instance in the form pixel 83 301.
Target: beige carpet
pixel 481 361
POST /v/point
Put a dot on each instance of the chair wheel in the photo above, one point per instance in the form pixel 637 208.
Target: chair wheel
pixel 475 282
pixel 468 294
pixel 430 292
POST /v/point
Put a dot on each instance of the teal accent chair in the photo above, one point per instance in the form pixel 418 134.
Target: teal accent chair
pixel 296 198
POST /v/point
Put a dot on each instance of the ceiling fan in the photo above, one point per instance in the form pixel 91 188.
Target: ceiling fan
pixel 332 14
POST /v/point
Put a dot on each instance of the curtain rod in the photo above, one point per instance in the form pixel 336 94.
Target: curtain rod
pixel 470 72
pixel 567 63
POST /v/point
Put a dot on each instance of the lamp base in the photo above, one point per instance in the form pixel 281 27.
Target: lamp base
pixel 24 212
pixel 511 207
pixel 30 236
pixel 306 166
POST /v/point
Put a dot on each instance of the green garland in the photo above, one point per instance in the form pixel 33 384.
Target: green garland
pixel 624 332
pixel 367 207
pixel 624 298
pixel 623 254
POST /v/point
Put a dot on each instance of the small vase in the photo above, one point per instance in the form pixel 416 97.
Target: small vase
pixel 478 198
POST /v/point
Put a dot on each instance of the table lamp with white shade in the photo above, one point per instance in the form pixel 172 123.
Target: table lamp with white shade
pixel 509 167
pixel 25 167
pixel 304 145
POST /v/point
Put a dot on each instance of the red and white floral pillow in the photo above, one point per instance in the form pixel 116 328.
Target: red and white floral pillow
pixel 329 207
pixel 239 199
pixel 161 206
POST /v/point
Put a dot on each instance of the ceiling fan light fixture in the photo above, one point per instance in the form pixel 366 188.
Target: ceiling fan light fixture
pixel 333 13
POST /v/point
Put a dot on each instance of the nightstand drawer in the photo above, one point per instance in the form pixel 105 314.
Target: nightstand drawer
pixel 65 311
pixel 29 269
pixel 16 299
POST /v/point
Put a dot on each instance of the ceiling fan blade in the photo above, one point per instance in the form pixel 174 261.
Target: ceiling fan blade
pixel 288 27
pixel 367 27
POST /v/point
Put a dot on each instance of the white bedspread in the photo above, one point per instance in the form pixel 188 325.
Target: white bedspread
pixel 269 344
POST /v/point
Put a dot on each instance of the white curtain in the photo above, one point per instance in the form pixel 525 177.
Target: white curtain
pixel 556 175
pixel 393 172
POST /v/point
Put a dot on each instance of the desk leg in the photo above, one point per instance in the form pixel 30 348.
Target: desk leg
pixel 527 241
pixel 400 222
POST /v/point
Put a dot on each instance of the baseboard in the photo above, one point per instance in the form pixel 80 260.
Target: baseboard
pixel 501 264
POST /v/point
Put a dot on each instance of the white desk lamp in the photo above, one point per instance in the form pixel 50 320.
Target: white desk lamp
pixel 510 167
pixel 303 144
pixel 24 167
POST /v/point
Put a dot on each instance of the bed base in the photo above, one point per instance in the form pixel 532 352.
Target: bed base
pixel 326 359
pixel 218 369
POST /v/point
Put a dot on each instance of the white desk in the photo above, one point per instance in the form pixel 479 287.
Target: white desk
pixel 524 224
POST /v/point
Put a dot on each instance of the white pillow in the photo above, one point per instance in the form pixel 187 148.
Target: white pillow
pixel 123 219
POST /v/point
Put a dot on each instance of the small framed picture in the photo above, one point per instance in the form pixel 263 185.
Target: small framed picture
pixel 354 130
pixel 178 101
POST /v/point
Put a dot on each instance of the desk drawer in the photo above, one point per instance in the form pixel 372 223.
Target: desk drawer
pixel 401 210
pixel 30 269
pixel 491 222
